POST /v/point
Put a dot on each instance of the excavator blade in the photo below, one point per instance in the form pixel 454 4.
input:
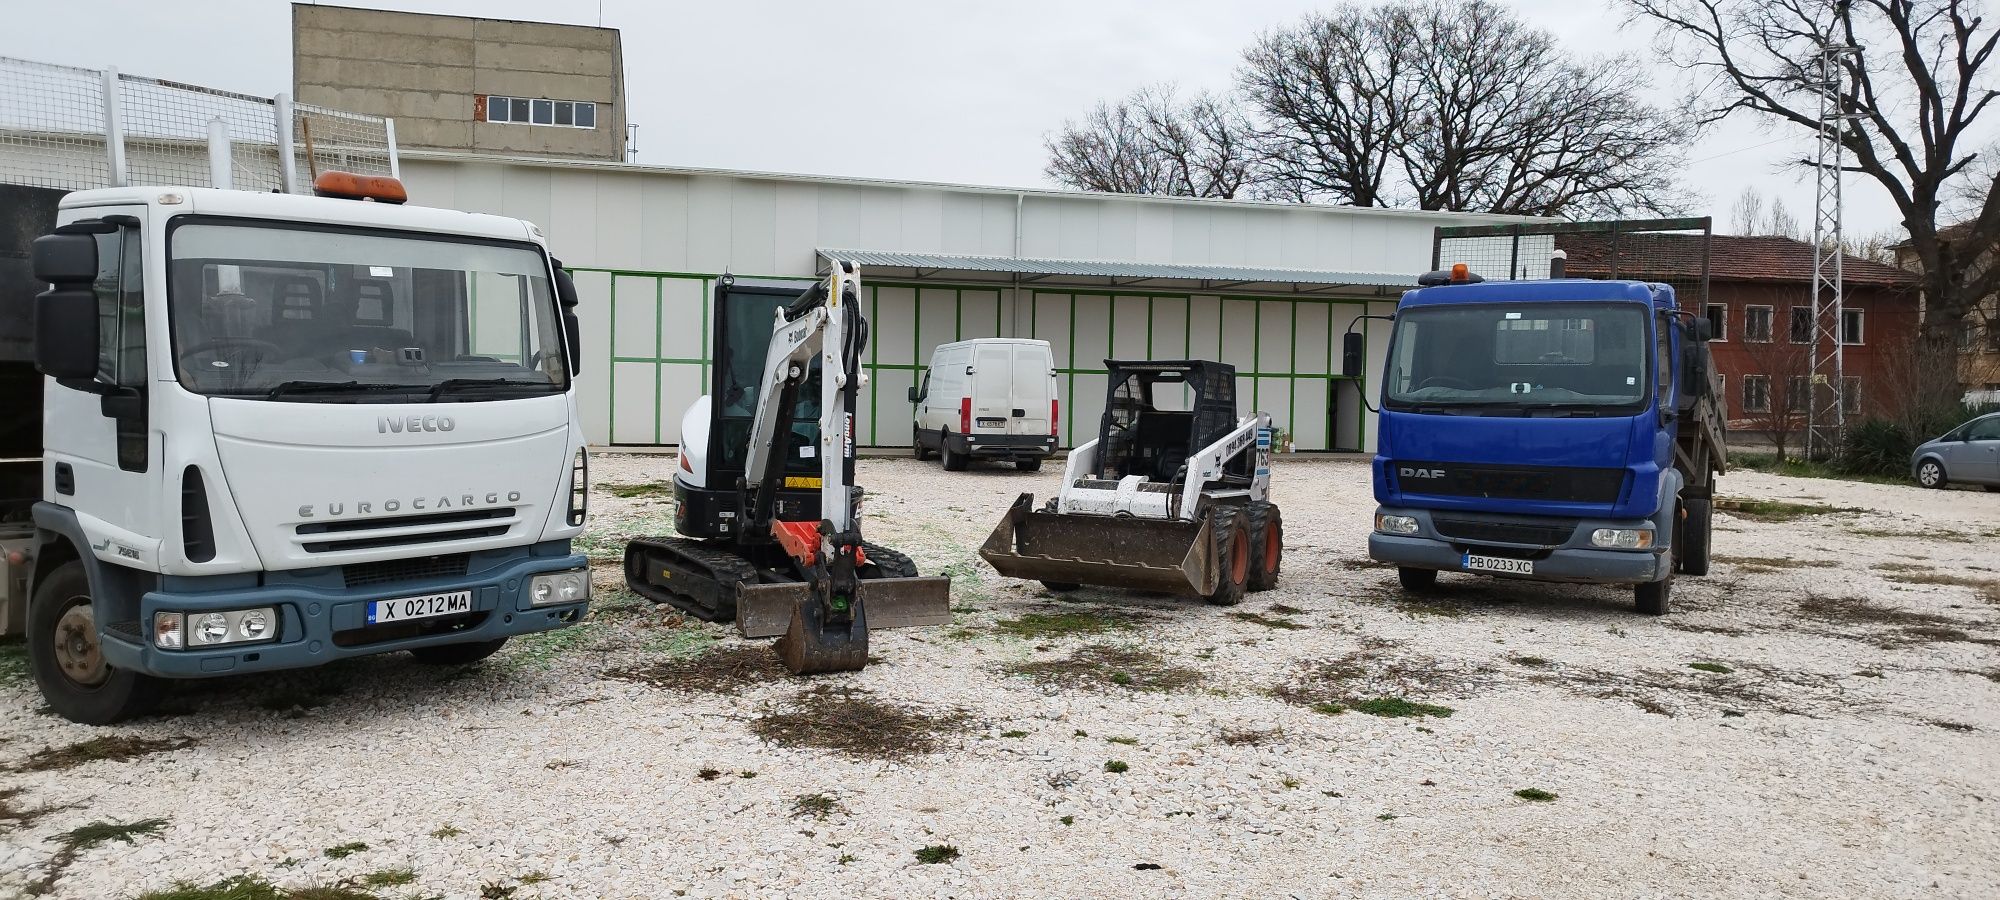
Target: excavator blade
pixel 1165 555
pixel 811 645
pixel 765 610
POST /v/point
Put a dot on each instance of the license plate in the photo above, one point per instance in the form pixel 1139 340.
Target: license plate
pixel 429 606
pixel 1499 564
pixel 991 422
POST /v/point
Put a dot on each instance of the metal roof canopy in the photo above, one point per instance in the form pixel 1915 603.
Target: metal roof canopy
pixel 1004 271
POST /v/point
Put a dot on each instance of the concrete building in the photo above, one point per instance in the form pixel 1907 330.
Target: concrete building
pixel 465 84
pixel 1269 288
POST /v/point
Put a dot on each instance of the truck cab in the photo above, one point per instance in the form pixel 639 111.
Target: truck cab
pixel 1559 430
pixel 282 430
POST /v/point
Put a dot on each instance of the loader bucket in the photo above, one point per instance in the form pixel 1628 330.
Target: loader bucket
pixel 765 610
pixel 1168 556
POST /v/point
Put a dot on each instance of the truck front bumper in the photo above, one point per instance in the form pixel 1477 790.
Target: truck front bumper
pixel 319 622
pixel 1004 446
pixel 1573 561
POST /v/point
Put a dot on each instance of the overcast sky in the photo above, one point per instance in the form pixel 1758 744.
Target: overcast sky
pixel 945 91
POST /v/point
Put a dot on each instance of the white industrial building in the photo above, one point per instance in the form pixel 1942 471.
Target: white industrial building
pixel 1269 288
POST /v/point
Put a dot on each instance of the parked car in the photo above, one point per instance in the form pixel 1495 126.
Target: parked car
pixel 989 398
pixel 1968 454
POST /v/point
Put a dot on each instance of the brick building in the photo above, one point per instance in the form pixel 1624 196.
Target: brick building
pixel 1760 301
pixel 1979 333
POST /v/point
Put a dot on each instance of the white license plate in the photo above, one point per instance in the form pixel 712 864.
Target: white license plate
pixel 1499 564
pixel 990 422
pixel 429 606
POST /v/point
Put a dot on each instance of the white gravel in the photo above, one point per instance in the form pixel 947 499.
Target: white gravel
pixel 1792 775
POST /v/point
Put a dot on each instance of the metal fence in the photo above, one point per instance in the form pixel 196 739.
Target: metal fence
pixel 1669 251
pixel 71 128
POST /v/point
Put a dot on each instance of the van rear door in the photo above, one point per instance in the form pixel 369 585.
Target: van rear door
pixel 1033 387
pixel 992 388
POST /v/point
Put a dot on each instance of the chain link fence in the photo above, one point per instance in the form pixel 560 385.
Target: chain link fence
pixel 70 128
pixel 1669 251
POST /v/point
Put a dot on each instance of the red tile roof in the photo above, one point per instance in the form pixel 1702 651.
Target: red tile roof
pixel 1674 257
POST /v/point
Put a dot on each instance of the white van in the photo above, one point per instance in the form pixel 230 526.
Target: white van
pixel 990 398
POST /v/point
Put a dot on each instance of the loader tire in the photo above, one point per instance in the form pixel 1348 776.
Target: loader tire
pixel 1231 537
pixel 886 563
pixel 1267 544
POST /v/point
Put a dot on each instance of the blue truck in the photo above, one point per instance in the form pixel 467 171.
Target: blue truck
pixel 1560 430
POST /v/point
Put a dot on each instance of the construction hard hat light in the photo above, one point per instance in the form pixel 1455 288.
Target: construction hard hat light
pixel 352 186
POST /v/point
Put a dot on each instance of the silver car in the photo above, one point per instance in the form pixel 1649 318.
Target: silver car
pixel 1968 454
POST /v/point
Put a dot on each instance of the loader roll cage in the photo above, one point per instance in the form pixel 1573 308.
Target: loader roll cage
pixel 1139 437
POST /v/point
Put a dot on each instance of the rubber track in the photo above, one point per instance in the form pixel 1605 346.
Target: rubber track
pixel 727 570
pixel 888 563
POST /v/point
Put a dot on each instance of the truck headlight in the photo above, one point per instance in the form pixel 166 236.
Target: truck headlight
pixel 180 631
pixel 1396 524
pixel 254 625
pixel 212 628
pixel 559 587
pixel 1622 538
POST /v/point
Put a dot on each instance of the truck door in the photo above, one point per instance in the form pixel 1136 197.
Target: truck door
pixel 100 450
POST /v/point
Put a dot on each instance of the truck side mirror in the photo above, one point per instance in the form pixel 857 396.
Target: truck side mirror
pixel 572 329
pixel 1353 348
pixel 66 313
pixel 1704 330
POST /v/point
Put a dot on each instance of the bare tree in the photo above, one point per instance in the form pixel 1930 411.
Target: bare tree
pixel 1787 367
pixel 1914 95
pixel 1782 223
pixel 1330 90
pixel 1153 142
pixel 1747 216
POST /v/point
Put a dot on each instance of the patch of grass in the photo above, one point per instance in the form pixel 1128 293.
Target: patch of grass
pixel 1532 662
pixel 536 878
pixel 1329 708
pixel 1014 733
pixel 816 806
pixel 1950 726
pixel 448 831
pixel 1284 610
pixel 14 814
pixel 98 833
pixel 343 851
pixel 1874 531
pixel 1987 588
pixel 746 773
pixel 1387 817
pixel 1290 782
pixel 1765 564
pixel 1536 795
pixel 111 748
pixel 853 723
pixel 644 489
pixel 1267 621
pixel 1804 468
pixel 1862 611
pixel 1868 673
pixel 242 887
pixel 389 878
pixel 1127 741
pixel 1715 667
pixel 1116 767
pixel 708 774
pixel 1098 665
pixel 1035 626
pixel 1779 510
pixel 936 854
pixel 1251 737
pixel 1067 820
pixel 538 652
pixel 1398 707
pixel 13 661
pixel 494 890
pixel 726 671
pixel 1335 686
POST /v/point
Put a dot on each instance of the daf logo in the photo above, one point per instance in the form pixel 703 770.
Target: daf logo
pixel 1408 472
pixel 413 424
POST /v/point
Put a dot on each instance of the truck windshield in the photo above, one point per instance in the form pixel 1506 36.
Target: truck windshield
pixel 1495 358
pixel 346 316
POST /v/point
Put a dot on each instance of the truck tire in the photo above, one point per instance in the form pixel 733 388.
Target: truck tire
pixel 1691 545
pixel 1654 598
pixel 1230 537
pixel 457 654
pixel 68 662
pixel 1267 544
pixel 953 462
pixel 1417 581
pixel 1029 465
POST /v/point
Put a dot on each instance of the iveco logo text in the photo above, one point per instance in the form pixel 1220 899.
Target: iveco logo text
pixel 413 424
pixel 1408 472
pixel 416 504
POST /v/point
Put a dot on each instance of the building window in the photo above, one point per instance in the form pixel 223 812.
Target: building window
pixel 1966 336
pixel 1993 336
pixel 1850 395
pixel 1757 324
pixel 1850 326
pixel 1798 393
pixel 1802 324
pixel 553 113
pixel 1756 393
pixel 1718 320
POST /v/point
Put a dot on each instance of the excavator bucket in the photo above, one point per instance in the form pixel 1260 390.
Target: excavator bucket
pixel 767 610
pixel 811 645
pixel 1163 555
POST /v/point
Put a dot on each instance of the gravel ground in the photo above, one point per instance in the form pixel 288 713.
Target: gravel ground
pixel 1846 746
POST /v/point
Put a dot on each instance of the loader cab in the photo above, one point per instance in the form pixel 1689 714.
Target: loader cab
pixel 1158 412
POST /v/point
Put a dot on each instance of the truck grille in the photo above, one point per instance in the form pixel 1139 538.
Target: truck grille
pixel 403 531
pixel 1555 533
pixel 396 571
pixel 1510 482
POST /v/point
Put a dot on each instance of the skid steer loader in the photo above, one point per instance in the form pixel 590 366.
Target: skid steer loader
pixel 1173 496
pixel 765 496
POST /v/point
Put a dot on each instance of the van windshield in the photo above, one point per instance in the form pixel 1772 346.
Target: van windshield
pixel 1518 356
pixel 353 316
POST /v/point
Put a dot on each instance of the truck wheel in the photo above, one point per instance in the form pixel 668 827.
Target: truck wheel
pixel 68 660
pixel 1029 465
pixel 1230 535
pixel 1691 545
pixel 1654 598
pixel 953 462
pixel 1267 545
pixel 1930 474
pixel 1417 580
pixel 457 654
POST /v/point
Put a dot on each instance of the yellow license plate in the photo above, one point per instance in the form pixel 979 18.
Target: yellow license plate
pixel 801 481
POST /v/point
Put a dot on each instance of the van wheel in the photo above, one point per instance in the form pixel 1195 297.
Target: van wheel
pixel 67 657
pixel 1267 545
pixel 1028 465
pixel 953 461
pixel 457 654
pixel 917 446
pixel 1230 537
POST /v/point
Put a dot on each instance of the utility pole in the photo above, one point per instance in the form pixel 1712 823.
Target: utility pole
pixel 1825 400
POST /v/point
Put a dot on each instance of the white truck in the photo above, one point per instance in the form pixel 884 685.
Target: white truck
pixel 280 430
